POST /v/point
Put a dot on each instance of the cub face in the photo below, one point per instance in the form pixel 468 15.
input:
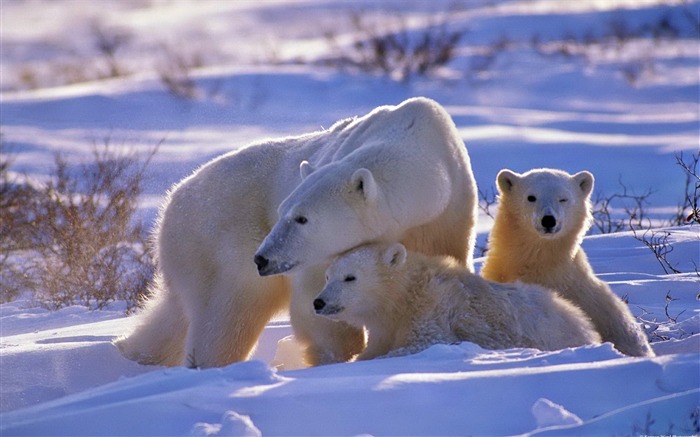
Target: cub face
pixel 550 203
pixel 355 283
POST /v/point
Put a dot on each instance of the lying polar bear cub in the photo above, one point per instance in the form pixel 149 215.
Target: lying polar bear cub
pixel 410 301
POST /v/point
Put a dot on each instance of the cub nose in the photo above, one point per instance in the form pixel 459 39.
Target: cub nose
pixel 549 222
pixel 261 262
pixel 319 304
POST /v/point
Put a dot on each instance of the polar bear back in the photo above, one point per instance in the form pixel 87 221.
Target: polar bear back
pixel 498 316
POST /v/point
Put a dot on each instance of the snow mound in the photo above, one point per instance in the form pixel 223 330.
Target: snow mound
pixel 547 414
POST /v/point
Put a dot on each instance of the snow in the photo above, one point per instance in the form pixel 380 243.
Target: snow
pixel 60 373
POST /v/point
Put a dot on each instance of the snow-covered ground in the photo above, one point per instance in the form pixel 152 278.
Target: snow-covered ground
pixel 622 111
pixel 62 368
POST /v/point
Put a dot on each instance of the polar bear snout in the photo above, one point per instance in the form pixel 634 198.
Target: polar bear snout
pixel 328 303
pixel 261 262
pixel 319 304
pixel 324 309
pixel 268 266
pixel 549 224
pixel 548 221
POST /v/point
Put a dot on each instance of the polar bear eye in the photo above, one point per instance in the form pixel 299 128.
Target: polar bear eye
pixel 301 220
pixel 563 200
pixel 349 278
pixel 531 198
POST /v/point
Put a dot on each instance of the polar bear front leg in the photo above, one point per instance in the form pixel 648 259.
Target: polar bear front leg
pixel 327 341
pixel 225 328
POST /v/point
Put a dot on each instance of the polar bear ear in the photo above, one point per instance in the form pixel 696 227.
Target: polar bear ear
pixel 363 182
pixel 506 180
pixel 394 255
pixel 305 169
pixel 585 181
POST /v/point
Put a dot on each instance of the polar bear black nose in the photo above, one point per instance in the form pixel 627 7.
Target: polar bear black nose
pixel 549 222
pixel 319 304
pixel 261 261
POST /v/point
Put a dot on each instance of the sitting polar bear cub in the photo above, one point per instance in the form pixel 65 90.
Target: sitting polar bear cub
pixel 409 301
pixel 542 217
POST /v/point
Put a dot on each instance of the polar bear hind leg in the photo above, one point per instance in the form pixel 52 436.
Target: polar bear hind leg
pixel 160 337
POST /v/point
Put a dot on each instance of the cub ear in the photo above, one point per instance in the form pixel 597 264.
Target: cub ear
pixel 506 180
pixel 363 182
pixel 305 169
pixel 394 255
pixel 585 181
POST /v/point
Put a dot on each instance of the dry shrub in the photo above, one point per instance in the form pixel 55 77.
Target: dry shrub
pixel 620 211
pixel 689 208
pixel 175 72
pixel 74 240
pixel 107 42
pixel 393 48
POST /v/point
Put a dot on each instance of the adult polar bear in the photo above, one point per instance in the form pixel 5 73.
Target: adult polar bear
pixel 399 173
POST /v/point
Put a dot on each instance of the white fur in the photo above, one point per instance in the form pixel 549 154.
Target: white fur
pixel 399 172
pixel 522 248
pixel 409 301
